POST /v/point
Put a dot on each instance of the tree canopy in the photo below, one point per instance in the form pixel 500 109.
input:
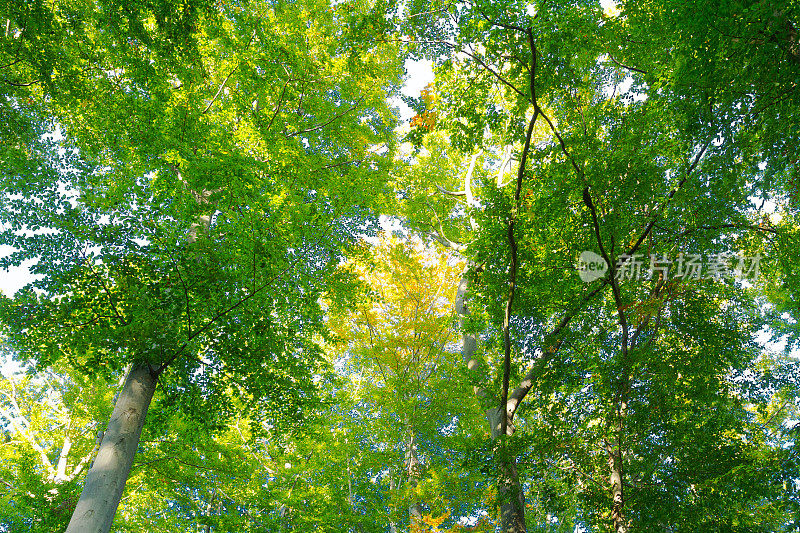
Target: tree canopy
pixel 596 225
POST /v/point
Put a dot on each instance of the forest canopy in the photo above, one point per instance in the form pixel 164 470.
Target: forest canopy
pixel 558 291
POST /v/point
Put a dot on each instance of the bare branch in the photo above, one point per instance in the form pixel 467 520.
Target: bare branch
pixel 221 87
pixel 449 193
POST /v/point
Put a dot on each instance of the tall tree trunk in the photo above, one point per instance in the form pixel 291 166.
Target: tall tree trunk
pixel 509 489
pixel 105 481
pixel 413 470
pixel 392 488
pixel 512 498
pixel 616 466
pixel 616 478
pixel 106 478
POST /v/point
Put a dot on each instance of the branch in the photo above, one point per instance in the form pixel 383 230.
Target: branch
pixel 501 24
pixel 634 69
pixel 174 458
pixel 668 199
pixel 518 394
pixel 278 104
pixel 441 238
pixel 558 136
pixel 492 72
pixel 27 435
pixel 246 46
pixel 444 241
pixel 320 126
pixel 532 76
pixel 458 49
pixel 512 271
pixel 11 64
pixel 623 321
pixel 588 476
pixel 468 178
pixel 106 290
pixel 760 227
pixel 15 84
pixel 219 90
pixel 505 162
pixel 538 109
pixel 79 467
pixel 449 193
pixel 210 323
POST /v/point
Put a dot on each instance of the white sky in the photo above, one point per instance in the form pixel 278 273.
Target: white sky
pixel 419 74
pixel 15 278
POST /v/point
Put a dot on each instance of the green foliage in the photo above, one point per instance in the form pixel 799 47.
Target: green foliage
pixel 49 423
pixel 184 219
pixel 191 178
pixel 674 163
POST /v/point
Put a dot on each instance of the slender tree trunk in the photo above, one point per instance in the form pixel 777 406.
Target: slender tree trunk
pixel 509 489
pixel 413 470
pixel 615 461
pixel 616 477
pixel 106 478
pixel 392 488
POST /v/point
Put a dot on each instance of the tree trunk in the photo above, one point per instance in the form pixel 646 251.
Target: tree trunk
pixel 616 477
pixel 509 490
pixel 392 488
pixel 106 478
pixel 616 474
pixel 469 341
pixel 512 499
pixel 413 469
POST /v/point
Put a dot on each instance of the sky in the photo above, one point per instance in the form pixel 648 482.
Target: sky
pixel 16 278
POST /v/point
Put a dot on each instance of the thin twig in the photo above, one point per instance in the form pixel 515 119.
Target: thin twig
pixel 320 126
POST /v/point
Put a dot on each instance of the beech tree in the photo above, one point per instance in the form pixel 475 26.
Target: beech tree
pixel 212 169
pixel 397 347
pixel 529 138
pixel 50 433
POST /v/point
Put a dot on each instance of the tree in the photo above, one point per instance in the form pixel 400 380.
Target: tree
pixel 398 349
pixel 648 171
pixel 50 430
pixel 620 184
pixel 387 450
pixel 194 207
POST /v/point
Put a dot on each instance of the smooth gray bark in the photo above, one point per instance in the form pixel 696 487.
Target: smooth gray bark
pixel 616 477
pixel 509 489
pixel 469 341
pixel 106 478
pixel 413 470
